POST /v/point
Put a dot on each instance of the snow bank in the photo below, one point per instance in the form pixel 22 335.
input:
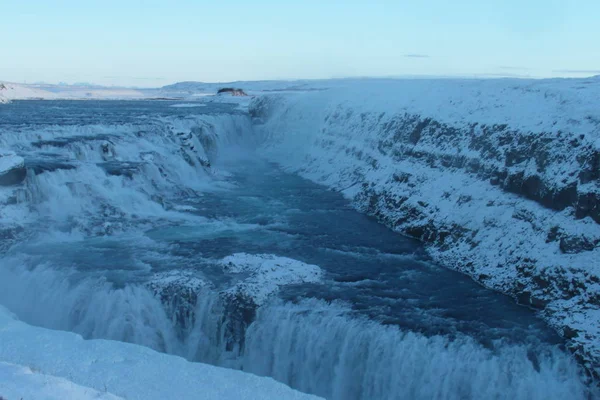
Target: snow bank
pixel 110 369
pixel 500 177
pixel 18 382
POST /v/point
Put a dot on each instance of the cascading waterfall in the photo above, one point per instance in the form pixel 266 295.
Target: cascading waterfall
pixel 91 307
pixel 86 259
pixel 313 346
pixel 319 348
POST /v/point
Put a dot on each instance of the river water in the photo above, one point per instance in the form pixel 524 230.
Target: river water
pixel 120 193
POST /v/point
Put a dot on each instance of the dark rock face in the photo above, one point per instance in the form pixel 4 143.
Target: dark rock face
pixel 13 176
pixel 239 313
pixel 577 244
pixel 65 141
pixel 230 313
pixel 121 168
pixel 40 165
pixel 504 158
pixel 232 91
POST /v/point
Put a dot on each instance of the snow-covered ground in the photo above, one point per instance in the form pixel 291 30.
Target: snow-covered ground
pixel 19 382
pixel 37 363
pixel 500 177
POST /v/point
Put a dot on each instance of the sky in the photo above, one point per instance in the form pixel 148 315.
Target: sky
pixel 153 43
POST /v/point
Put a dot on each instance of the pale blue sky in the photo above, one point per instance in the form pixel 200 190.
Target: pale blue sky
pixel 152 43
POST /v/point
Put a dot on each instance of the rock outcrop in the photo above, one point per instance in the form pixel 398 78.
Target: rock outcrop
pixel 232 91
pixel 226 312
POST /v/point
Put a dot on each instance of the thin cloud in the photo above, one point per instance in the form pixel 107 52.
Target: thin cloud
pixel 513 68
pixel 504 75
pixel 136 78
pixel 578 71
pixel 416 56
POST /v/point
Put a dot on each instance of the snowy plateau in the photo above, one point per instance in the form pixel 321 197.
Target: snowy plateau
pixel 498 179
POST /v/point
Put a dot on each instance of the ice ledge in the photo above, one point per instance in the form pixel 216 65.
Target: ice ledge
pixel 122 369
pixel 12 168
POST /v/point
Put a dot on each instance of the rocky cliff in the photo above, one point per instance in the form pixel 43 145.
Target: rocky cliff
pixel 500 178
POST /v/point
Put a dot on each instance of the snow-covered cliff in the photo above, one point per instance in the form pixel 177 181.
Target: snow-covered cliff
pixel 500 177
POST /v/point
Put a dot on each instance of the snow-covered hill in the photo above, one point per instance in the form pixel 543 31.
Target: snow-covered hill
pixel 13 91
pixel 500 177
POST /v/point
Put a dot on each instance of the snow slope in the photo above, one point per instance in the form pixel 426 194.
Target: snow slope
pixel 67 365
pixel 18 382
pixel 500 177
pixel 13 91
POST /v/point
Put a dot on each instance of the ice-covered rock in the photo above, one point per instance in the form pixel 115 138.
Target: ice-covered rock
pixel 12 168
pixel 178 290
pixel 265 273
